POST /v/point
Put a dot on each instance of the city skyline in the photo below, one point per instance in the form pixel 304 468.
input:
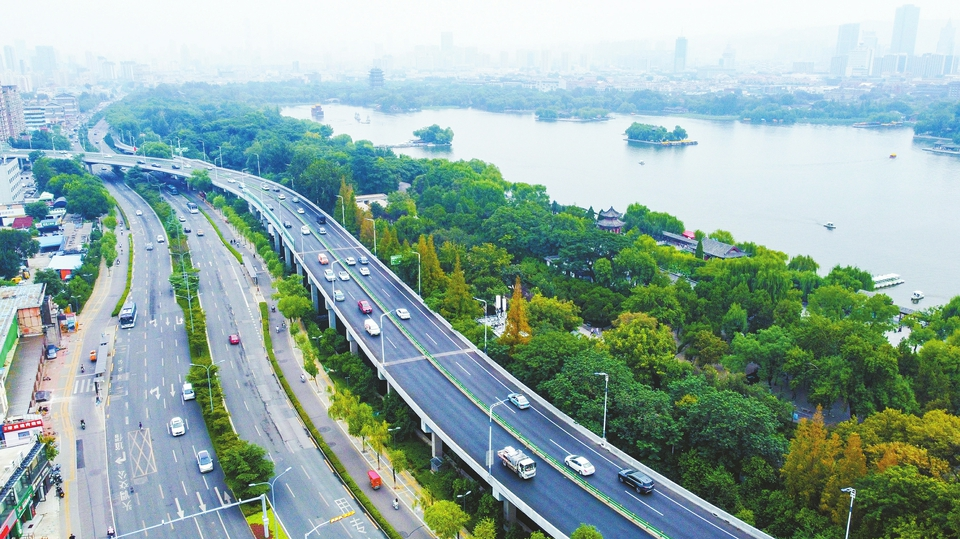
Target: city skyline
pixel 215 31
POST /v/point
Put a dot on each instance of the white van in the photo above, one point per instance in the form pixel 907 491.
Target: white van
pixel 188 394
pixel 371 327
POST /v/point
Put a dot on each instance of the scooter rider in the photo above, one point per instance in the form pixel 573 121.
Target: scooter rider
pixel 83 425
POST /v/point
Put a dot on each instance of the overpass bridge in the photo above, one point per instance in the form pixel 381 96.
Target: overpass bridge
pixel 455 389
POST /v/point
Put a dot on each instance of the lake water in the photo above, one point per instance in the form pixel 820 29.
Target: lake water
pixel 773 185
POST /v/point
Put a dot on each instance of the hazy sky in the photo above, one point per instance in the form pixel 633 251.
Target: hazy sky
pixel 303 29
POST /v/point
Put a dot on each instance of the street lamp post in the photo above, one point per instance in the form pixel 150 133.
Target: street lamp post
pixel 221 154
pixel 490 436
pixel 209 387
pixel 853 494
pixel 204 148
pixel 419 288
pixel 383 357
pixel 273 504
pixel 484 324
pixel 606 384
pixel 343 212
pixel 374 235
pixel 258 165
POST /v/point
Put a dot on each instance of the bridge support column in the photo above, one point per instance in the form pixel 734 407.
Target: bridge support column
pixel 331 317
pixel 315 297
pixel 436 445
pixel 288 256
pixel 277 244
pixel 509 511
pixel 353 342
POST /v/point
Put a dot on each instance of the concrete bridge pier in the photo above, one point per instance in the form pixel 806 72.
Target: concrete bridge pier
pixel 509 512
pixel 436 445
pixel 353 342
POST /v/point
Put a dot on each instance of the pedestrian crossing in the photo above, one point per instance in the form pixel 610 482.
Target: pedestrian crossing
pixel 85 384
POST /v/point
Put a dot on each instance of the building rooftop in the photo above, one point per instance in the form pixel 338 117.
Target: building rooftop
pixel 65 262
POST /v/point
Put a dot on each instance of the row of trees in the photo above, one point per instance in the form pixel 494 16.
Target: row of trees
pixel 434 135
pixel 676 349
pixel 654 133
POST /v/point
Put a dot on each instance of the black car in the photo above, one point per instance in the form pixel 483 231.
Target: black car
pixel 155 165
pixel 175 167
pixel 637 480
pixel 286 224
pixel 141 162
pixel 322 219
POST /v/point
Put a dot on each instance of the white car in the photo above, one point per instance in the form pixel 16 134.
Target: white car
pixel 338 295
pixel 344 276
pixel 322 231
pixel 282 196
pixel 295 199
pixel 304 230
pixel 182 219
pixel 365 271
pixel 371 327
pixel 231 180
pixel 300 211
pixel 329 276
pixel 579 464
pixel 403 314
pixel 205 461
pixel 160 238
pixel 177 427
pixel 519 401
pixel 351 261
pixel 139 213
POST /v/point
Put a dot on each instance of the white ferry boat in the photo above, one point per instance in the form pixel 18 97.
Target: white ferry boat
pixel 886 280
pixel 917 295
pixel 829 225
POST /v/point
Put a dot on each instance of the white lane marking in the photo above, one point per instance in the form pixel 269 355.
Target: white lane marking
pixel 184 486
pixel 635 497
pixel 200 531
pixel 305 472
pixel 464 368
pixel 561 447
pixel 429 337
pixel 290 489
pixel 174 459
pixel 694 514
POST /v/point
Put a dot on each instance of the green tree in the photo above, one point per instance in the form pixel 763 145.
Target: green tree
pixel 16 246
pixel 445 518
pixel 156 149
pixel 517 328
pixel 458 302
pixel 199 180
pixel 295 307
pixel 485 529
pixel 586 531
pixel 434 134
pixel 698 254
pixel 432 277
pixel 376 433
pixel 549 314
pixel 243 464
pixel 38 210
pixel 646 346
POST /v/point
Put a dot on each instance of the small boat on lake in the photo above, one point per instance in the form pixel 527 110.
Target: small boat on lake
pixel 829 225
pixel 916 296
pixel 886 280
pixel 642 163
pixel 893 156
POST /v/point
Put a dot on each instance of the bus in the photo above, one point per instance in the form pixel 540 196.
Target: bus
pixel 128 315
pixel 193 207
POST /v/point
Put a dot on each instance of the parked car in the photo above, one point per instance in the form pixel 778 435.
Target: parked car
pixel 52 351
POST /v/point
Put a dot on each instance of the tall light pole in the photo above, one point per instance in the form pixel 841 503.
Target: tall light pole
pixel 419 288
pixel 484 324
pixel 392 467
pixel 204 147
pixel 258 165
pixel 273 504
pixel 490 437
pixel 383 357
pixel 221 154
pixel 606 384
pixel 463 499
pixel 853 494
pixel 374 235
pixel 343 212
pixel 209 390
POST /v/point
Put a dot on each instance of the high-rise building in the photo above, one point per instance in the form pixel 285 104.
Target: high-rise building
pixel 680 55
pixel 848 38
pixel 446 42
pixel 45 60
pixel 905 25
pixel 945 44
pixel 10 58
pixel 11 113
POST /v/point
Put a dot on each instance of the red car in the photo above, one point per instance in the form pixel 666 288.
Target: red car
pixel 234 339
pixel 364 306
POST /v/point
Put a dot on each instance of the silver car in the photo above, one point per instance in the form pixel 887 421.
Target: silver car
pixel 205 461
pixel 519 401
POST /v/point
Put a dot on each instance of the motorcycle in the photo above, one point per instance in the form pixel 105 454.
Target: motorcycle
pixel 83 425
pixel 303 378
pixel 60 493
pixel 396 503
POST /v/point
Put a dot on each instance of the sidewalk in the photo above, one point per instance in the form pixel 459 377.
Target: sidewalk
pixel 314 399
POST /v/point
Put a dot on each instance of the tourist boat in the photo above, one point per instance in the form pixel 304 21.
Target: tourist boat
pixel 886 280
pixel 893 156
pixel 916 296
pixel 829 225
pixel 317 112
pixel 949 149
pixel 642 163
pixel 356 116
